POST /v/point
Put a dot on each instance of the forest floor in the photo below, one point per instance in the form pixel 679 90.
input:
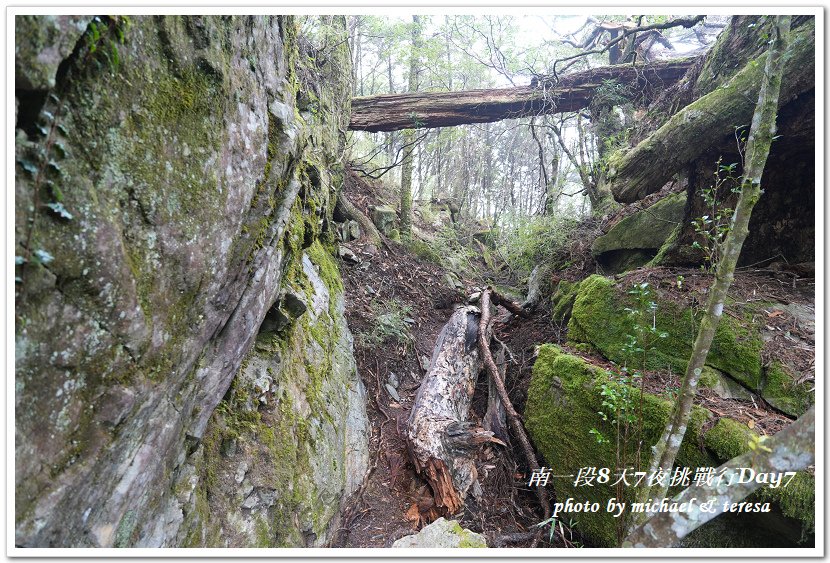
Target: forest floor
pixel 391 280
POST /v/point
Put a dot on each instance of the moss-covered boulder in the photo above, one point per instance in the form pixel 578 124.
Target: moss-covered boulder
pixel 385 217
pixel 635 240
pixel 599 318
pixel 562 301
pixel 569 415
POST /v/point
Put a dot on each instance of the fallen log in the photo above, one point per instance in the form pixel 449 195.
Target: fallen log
pixel 569 92
pixel 440 439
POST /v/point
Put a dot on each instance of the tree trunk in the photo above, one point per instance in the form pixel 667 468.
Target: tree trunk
pixel 757 150
pixel 572 92
pixel 440 439
pixel 409 136
pixel 651 164
pixel 348 210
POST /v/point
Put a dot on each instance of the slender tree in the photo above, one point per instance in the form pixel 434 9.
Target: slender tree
pixel 762 131
pixel 409 135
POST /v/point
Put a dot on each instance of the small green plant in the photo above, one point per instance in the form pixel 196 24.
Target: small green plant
pixel 390 323
pixel 715 225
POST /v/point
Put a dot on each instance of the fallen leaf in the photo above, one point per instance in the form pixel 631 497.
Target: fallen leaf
pixel 776 313
pixel 751 423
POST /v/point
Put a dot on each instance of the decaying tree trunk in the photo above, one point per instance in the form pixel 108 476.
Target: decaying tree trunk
pixel 647 167
pixel 440 438
pixel 495 419
pixel 571 92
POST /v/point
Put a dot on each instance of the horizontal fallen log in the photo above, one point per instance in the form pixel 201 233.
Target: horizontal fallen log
pixel 569 92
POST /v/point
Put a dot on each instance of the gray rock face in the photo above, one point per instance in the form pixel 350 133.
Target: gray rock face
pixel 46 41
pixel 442 534
pixel 181 170
pixel 636 239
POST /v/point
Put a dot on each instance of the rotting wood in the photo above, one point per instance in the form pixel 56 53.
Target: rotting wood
pixel 569 92
pixel 440 439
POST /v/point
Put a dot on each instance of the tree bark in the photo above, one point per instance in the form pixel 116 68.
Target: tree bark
pixel 757 149
pixel 440 439
pixel 689 133
pixel 791 449
pixel 571 92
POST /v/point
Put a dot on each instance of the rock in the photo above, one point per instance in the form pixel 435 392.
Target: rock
pixel 293 305
pixel 599 319
pixel 384 218
pixel 240 472
pixel 636 239
pixel 392 392
pixel 725 387
pixel 452 280
pixel 41 44
pixel 178 249
pixel 564 400
pixel 115 405
pixel 353 229
pixel 250 501
pixel 442 534
pixel 347 255
pixel 349 230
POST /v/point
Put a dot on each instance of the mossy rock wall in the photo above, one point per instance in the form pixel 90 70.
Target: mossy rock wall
pixel 564 399
pixel 197 160
pixel 599 318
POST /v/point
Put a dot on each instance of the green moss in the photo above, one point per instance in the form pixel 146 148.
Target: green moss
pixel 599 318
pixel 563 400
pixel 126 527
pixel 563 299
pixel 782 392
pixel 729 439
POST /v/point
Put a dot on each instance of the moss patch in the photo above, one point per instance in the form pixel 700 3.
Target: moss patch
pixel 599 318
pixel 564 398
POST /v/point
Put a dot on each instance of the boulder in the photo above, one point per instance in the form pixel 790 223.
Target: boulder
pixel 384 217
pixel 637 238
pixel 600 319
pixel 197 192
pixel 565 399
pixel 442 534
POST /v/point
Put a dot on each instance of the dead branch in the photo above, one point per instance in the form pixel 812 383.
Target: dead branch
pixel 512 415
